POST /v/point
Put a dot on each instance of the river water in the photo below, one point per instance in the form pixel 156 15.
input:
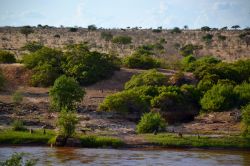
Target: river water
pixel 173 157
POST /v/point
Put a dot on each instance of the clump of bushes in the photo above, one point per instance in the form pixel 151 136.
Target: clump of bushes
pixel 151 122
pixel 7 57
pixel 107 36
pixel 67 122
pixel 147 78
pixel 246 119
pixel 141 62
pixel 220 97
pixel 77 61
pixel 32 46
pixel 88 67
pixel 243 93
pixel 46 66
pixel 2 80
pixel 189 49
pixel 125 102
pixel 65 93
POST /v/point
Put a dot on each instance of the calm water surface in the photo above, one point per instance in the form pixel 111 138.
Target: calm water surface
pixel 81 156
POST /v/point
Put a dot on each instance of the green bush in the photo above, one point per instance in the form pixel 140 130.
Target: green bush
pixel 32 46
pixel 16 159
pixel 189 49
pixel 220 97
pixel 125 102
pixel 188 63
pixel 7 57
pixel 44 75
pixel 18 125
pixel 88 67
pixel 176 30
pixel 243 92
pixel 67 122
pixel 140 62
pixel 151 122
pixel 207 82
pixel 246 119
pixel 122 39
pixel 65 93
pixel 46 66
pixel 148 78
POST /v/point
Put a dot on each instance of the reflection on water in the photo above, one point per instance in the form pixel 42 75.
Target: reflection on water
pixel 80 156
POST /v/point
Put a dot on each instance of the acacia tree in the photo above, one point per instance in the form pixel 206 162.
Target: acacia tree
pixel 235 27
pixel 26 30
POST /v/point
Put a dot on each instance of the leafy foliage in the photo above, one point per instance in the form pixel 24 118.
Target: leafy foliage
pixel 219 97
pixel 46 65
pixel 92 27
pixel 67 122
pixel 7 57
pixel 140 62
pixel 128 101
pixel 246 119
pixel 243 92
pixel 32 46
pixel 16 159
pixel 88 67
pixel 65 93
pixel 189 49
pixel 151 122
pixel 148 78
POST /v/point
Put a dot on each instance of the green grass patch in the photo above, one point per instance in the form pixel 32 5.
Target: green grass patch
pixel 92 141
pixel 172 140
pixel 25 137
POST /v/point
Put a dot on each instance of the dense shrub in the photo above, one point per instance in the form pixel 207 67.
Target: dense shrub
pixel 219 97
pixel 189 49
pixel 67 123
pixel 207 38
pixel 128 101
pixel 18 125
pixel 92 27
pixel 32 46
pixel 17 159
pixel 122 39
pixel 88 67
pixel 44 75
pixel 207 82
pixel 151 122
pixel 188 63
pixel 246 119
pixel 65 93
pixel 46 66
pixel 148 78
pixel 73 29
pixel 243 92
pixel 7 57
pixel 176 30
pixel 140 62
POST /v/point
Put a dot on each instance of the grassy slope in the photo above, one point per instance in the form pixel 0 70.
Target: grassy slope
pixel 172 140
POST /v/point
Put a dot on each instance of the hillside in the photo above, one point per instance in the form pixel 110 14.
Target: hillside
pixel 230 49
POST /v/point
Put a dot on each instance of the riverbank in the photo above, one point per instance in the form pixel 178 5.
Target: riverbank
pixel 196 141
pixel 162 140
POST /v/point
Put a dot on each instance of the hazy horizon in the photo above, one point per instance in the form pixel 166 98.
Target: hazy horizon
pixel 122 14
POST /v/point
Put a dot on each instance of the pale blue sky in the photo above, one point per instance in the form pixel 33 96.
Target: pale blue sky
pixel 123 13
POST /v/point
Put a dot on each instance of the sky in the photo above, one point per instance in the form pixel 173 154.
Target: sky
pixel 126 13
